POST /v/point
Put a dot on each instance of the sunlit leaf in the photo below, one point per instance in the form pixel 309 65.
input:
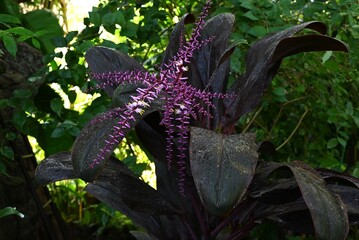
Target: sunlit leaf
pixel 55 168
pixel 105 60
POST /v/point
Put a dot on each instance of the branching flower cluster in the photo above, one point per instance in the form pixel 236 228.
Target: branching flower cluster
pixel 182 101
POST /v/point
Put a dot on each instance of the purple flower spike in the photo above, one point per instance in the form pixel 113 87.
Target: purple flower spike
pixel 182 100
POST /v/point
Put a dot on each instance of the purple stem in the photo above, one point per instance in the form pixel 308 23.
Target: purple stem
pixel 200 217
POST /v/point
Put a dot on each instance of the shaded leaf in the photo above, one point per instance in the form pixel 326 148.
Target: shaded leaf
pixel 135 193
pixel 277 192
pixel 142 235
pixel 7 152
pixel 331 176
pixel 44 21
pixel 55 168
pixel 298 221
pixel 6 18
pixel 57 105
pixel 10 44
pixel 105 60
pixel 327 210
pixel 350 197
pixel 166 182
pixel 10 211
pixel 267 148
pixel 222 167
pixel 118 187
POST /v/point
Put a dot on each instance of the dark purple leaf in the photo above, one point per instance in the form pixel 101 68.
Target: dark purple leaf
pixel 307 43
pixel 105 60
pixel 98 136
pixel 135 193
pixel 55 168
pixel 222 167
pixel 107 193
pixel 122 95
pixel 280 191
pixel 338 177
pixel 350 197
pixel 91 141
pixel 210 56
pixel 176 36
pixel 142 235
pixel 210 66
pixel 262 63
pixel 298 221
pixel 118 187
pixel 327 210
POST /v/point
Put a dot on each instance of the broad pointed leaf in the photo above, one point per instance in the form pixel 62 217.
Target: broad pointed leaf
pixel 90 143
pixel 109 194
pixel 135 193
pixel 327 210
pixel 222 167
pixel 55 168
pixel 277 192
pixel 118 187
pixel 97 138
pixel 338 177
pixel 105 60
pixel 262 63
pixel 350 197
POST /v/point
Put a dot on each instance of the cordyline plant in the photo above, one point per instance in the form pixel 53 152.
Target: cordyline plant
pixel 211 183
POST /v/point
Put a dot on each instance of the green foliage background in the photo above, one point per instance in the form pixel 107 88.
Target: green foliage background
pixel 310 112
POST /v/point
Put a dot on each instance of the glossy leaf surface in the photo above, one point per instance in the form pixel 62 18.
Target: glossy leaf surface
pixel 222 167
pixel 328 212
pixel 326 209
pixel 55 168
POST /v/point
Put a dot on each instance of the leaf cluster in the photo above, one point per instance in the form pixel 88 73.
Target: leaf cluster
pixel 228 189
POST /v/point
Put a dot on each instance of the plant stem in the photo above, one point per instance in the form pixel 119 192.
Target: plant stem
pixel 191 233
pixel 295 129
pixel 242 232
pixel 200 217
pixel 252 120
pixel 242 212
pixel 280 113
